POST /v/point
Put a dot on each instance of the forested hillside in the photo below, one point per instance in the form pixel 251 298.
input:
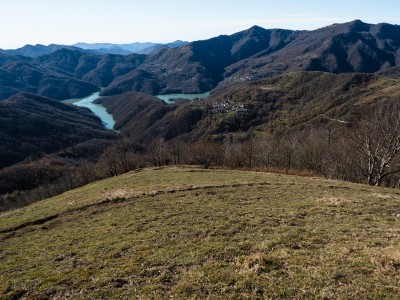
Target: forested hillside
pixel 32 126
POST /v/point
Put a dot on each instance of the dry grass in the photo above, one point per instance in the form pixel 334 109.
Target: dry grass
pixel 205 234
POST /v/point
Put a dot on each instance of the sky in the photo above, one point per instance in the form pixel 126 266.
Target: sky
pixel 123 21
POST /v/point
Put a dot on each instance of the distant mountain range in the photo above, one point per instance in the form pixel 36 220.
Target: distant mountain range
pixel 97 48
pixel 36 50
pixel 124 49
pixel 199 66
pixel 257 53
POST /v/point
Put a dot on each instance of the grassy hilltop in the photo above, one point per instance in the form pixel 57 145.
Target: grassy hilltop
pixel 191 233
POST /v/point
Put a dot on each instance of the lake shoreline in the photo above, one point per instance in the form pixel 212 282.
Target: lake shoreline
pixel 108 119
pixel 99 110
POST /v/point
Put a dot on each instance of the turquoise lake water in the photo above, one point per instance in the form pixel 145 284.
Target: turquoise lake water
pixel 108 120
pixel 98 109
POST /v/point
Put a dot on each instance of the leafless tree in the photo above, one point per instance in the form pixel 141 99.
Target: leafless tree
pixel 157 152
pixel 176 150
pixel 265 151
pixel 87 172
pixel 377 140
pixel 234 156
pixel 124 153
pixel 286 150
pixel 108 163
pixel 311 150
pixel 205 153
pixel 249 149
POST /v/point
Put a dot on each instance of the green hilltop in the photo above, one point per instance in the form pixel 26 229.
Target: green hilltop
pixel 190 233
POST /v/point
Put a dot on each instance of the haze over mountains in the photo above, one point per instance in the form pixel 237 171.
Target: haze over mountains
pixel 138 48
pixel 94 48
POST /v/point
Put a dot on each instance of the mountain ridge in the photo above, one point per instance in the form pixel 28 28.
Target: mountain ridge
pixel 256 53
pixel 63 74
pixel 21 74
pixel 36 50
pixel 204 65
pixel 93 48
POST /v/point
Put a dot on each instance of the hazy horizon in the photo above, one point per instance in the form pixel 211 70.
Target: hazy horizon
pixel 123 21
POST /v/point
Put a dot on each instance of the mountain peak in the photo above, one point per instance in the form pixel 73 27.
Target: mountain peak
pixel 358 25
pixel 357 22
pixel 256 27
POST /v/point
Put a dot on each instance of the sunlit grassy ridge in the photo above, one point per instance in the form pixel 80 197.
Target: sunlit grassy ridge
pixel 192 233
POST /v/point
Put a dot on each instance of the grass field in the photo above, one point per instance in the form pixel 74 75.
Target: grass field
pixel 187 233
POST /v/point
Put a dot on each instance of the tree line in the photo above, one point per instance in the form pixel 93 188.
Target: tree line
pixel 368 152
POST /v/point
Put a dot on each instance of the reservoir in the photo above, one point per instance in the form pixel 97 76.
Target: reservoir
pixel 108 120
pixel 98 109
pixel 169 97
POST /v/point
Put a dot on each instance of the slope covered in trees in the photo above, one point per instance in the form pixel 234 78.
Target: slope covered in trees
pixel 290 101
pixel 32 125
pixel 339 48
pixel 300 99
pixel 144 118
pixel 21 74
pixel 96 69
pixel 258 53
pixel 63 74
pixel 199 66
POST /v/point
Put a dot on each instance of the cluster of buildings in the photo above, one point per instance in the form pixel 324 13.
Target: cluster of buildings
pixel 237 79
pixel 223 106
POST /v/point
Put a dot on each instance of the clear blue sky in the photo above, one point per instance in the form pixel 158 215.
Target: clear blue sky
pixel 125 21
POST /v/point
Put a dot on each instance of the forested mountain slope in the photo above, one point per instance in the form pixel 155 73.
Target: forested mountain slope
pixel 258 53
pixel 290 101
pixel 33 125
